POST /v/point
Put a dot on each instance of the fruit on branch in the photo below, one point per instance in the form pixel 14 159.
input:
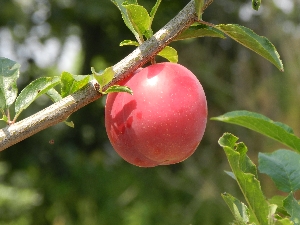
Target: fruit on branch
pixel 163 121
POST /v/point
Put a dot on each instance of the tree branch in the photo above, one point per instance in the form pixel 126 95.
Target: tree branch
pixel 61 110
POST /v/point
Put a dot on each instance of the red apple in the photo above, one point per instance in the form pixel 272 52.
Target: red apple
pixel 163 121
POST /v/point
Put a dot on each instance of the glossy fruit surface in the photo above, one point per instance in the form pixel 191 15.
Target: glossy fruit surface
pixel 163 121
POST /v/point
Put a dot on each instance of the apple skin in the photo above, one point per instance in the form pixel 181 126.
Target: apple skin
pixel 163 121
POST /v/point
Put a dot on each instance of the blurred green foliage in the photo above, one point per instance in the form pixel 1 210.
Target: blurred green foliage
pixel 65 176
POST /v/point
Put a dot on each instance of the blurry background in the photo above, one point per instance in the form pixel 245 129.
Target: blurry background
pixel 65 176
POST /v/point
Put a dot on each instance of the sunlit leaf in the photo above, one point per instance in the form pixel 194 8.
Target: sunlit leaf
pixel 105 77
pixel 278 200
pixel 200 30
pixel 169 53
pixel 69 123
pixel 259 44
pixel 129 42
pixel 230 174
pixel 148 33
pixel 271 217
pixel 2 100
pixel 139 18
pixel 245 164
pixel 239 210
pixel 55 97
pixel 283 166
pixel 292 206
pixel 154 9
pixel 119 4
pixel 135 2
pixel 242 168
pixel 32 91
pixel 263 125
pixel 71 83
pixel 256 4
pixel 284 221
pixel 118 88
pixel 199 8
pixel 9 73
pixel 4 118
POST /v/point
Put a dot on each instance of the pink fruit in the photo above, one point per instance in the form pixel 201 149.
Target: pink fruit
pixel 163 121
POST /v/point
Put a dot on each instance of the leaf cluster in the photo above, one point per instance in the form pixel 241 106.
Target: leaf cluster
pixel 70 83
pixel 139 22
pixel 283 166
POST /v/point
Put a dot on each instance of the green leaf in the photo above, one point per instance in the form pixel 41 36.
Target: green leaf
pixel 256 4
pixel 148 33
pixel 278 200
pixel 263 125
pixel 260 45
pixel 283 166
pixel 139 19
pixel 229 173
pixel 118 88
pixel 199 8
pixel 105 77
pixel 129 42
pixel 271 217
pixel 69 123
pixel 242 167
pixel 119 4
pixel 169 53
pixel 9 73
pixel 228 140
pixel 284 221
pixel 71 83
pixel 200 30
pixel 292 206
pixel 245 164
pixel 55 97
pixel 154 10
pixel 239 210
pixel 135 2
pixel 4 118
pixel 2 100
pixel 32 91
